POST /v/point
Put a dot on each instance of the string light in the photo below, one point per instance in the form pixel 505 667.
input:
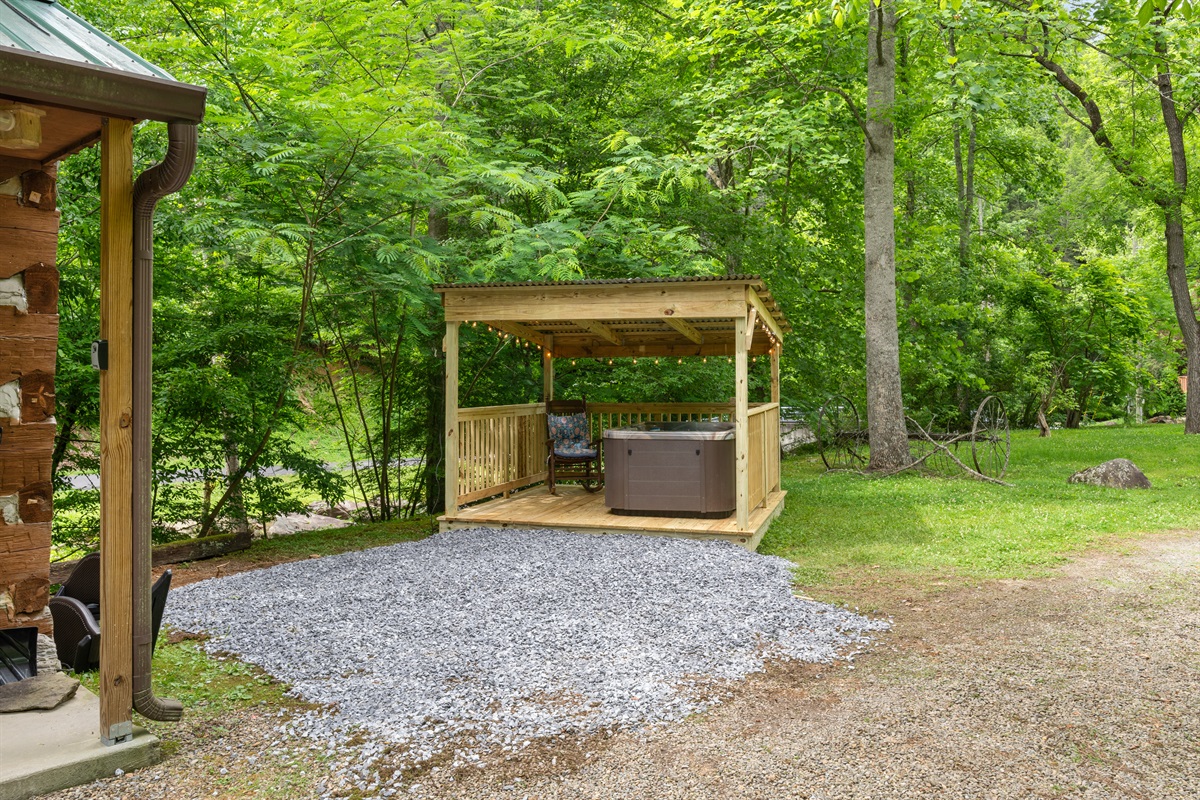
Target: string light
pixel 705 359
pixel 656 361
pixel 681 361
pixel 572 362
pixel 610 362
pixel 635 361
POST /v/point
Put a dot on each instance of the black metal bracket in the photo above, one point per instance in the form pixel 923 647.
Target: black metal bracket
pixel 100 354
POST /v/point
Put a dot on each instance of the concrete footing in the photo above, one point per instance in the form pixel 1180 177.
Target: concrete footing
pixel 44 751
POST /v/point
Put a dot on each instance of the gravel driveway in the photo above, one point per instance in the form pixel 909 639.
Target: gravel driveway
pixel 1081 685
pixel 482 640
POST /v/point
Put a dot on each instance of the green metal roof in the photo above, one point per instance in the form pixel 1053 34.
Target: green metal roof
pixel 47 28
pixel 50 55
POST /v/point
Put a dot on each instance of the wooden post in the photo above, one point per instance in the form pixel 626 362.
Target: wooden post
pixel 116 432
pixel 775 373
pixel 548 370
pixel 776 351
pixel 451 461
pixel 741 409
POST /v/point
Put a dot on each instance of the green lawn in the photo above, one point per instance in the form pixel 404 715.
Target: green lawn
pixel 840 522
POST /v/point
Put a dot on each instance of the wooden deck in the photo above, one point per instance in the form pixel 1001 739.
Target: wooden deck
pixel 576 510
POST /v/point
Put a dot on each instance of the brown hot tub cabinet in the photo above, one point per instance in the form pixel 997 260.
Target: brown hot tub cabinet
pixel 675 469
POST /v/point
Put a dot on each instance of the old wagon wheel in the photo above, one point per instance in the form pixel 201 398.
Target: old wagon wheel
pixel 839 434
pixel 990 438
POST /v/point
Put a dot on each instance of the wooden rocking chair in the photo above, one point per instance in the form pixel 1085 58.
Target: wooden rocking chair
pixel 570 445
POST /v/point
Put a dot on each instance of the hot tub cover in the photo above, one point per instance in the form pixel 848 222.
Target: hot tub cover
pixel 709 431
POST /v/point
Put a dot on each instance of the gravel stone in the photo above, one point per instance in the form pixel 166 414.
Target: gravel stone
pixel 483 640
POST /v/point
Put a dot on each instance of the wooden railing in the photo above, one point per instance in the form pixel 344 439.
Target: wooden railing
pixel 500 448
pixel 503 448
pixel 616 415
pixel 763 467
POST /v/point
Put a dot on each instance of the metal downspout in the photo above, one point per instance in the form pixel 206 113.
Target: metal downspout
pixel 152 185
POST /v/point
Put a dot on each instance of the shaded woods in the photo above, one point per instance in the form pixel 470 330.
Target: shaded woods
pixel 354 153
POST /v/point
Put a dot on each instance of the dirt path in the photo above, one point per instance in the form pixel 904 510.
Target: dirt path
pixel 1079 685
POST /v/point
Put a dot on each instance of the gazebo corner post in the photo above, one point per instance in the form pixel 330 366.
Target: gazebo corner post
pixel 775 372
pixel 776 352
pixel 548 369
pixel 116 431
pixel 741 419
pixel 451 444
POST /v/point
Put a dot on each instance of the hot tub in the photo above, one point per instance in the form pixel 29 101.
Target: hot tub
pixel 670 469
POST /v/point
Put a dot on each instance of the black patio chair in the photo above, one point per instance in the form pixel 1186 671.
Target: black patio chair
pixel 570 445
pixel 77 623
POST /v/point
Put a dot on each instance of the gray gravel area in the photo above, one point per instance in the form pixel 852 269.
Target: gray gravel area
pixel 478 641
pixel 1082 685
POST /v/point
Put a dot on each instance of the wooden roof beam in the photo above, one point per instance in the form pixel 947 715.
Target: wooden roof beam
pixel 520 331
pixel 764 314
pixel 686 328
pixel 600 329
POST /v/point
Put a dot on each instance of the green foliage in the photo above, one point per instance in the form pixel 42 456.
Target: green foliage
pixel 1079 326
pixel 356 151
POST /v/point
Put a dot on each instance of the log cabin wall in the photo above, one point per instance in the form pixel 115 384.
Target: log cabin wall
pixel 28 346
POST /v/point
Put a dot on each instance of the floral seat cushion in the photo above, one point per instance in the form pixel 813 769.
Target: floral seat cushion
pixel 571 434
pixel 574 451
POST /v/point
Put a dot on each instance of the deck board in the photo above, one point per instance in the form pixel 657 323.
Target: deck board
pixel 575 510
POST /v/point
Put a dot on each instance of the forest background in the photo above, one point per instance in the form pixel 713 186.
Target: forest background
pixel 355 152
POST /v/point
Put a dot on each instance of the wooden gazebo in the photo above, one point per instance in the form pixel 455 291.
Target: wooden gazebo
pixel 496 455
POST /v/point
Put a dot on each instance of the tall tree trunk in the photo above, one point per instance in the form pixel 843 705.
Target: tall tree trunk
pixel 964 173
pixel 1170 203
pixel 888 435
pixel 1172 207
pixel 237 504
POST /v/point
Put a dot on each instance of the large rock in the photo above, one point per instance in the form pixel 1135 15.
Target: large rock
pixel 295 523
pixel 39 693
pixel 1120 473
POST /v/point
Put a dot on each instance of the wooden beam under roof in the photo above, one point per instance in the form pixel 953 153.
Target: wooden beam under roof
pixel 686 328
pixel 764 314
pixel 657 349
pixel 520 331
pixel 601 330
pixel 606 302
